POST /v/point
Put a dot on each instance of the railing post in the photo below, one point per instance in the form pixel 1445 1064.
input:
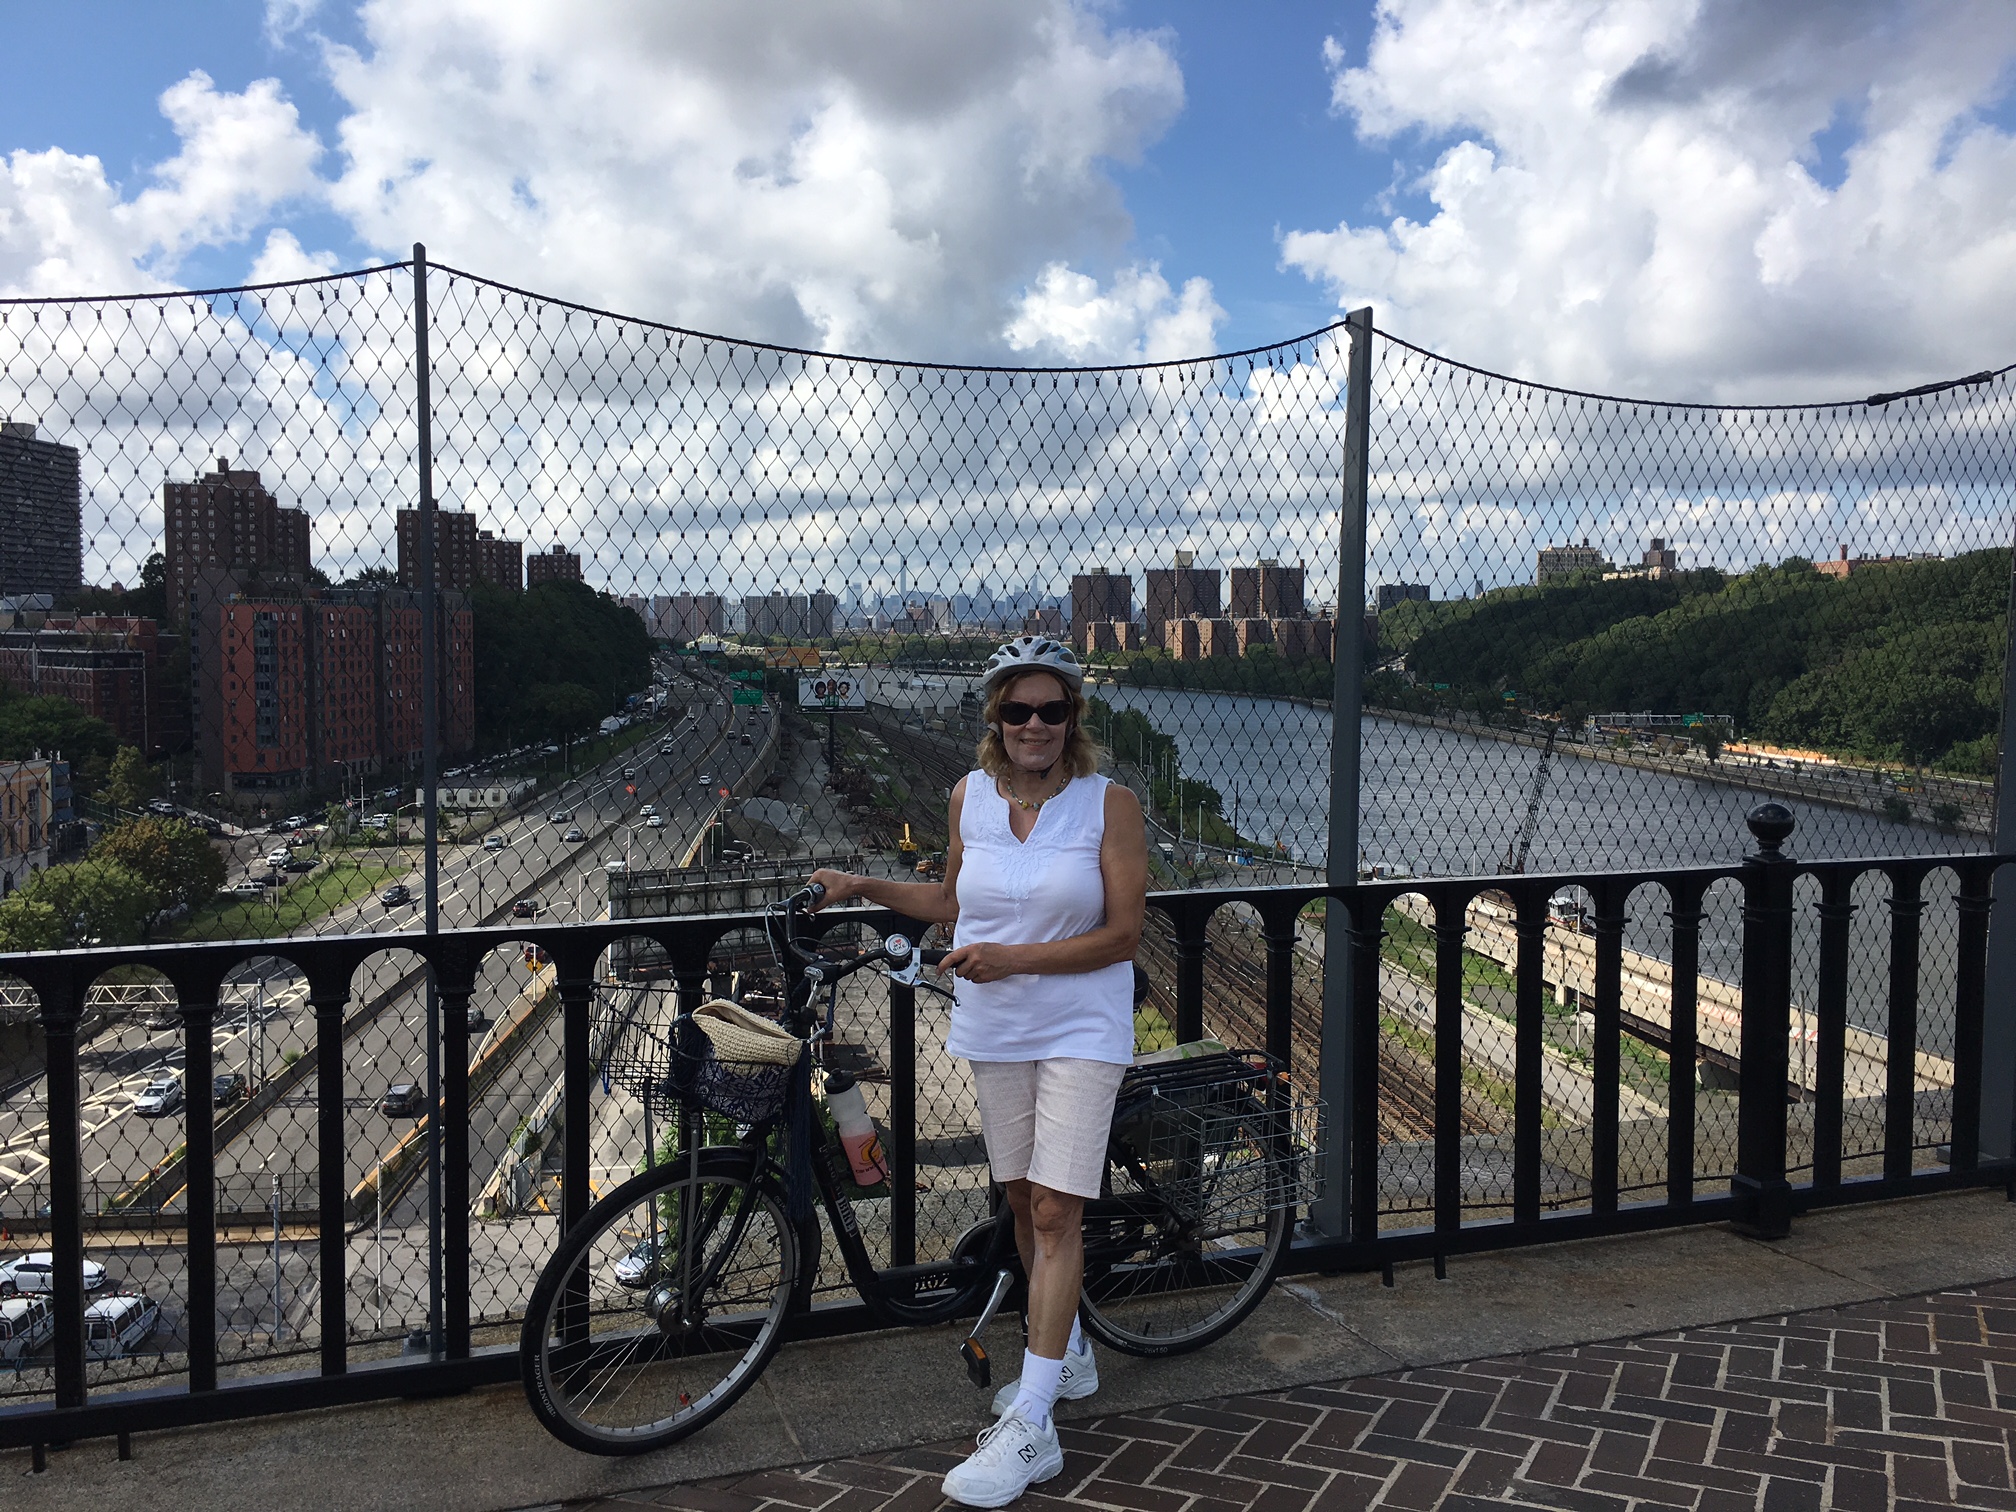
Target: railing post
pixel 430 768
pixel 1330 1215
pixel 1763 1195
pixel 328 997
pixel 1190 939
pixel 576 982
pixel 62 995
pixel 1606 1069
pixel 1683 1041
pixel 1358 1120
pixel 1529 1056
pixel 1277 930
pixel 1451 924
pixel 1900 1080
pixel 1830 1012
pixel 902 1147
pixel 1996 1123
pixel 1969 1007
pixel 456 974
pixel 199 1168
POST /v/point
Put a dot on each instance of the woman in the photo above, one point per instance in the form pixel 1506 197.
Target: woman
pixel 1046 876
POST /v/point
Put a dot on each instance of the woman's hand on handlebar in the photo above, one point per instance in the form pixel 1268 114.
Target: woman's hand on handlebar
pixel 984 962
pixel 839 885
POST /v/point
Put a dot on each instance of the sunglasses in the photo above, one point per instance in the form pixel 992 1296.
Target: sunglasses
pixel 1055 712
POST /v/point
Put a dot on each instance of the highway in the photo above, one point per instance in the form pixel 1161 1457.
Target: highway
pixel 265 1021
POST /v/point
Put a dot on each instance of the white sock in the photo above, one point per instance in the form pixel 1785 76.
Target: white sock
pixel 1038 1387
pixel 1076 1343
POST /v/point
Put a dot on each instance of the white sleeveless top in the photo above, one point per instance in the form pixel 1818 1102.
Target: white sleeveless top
pixel 1025 892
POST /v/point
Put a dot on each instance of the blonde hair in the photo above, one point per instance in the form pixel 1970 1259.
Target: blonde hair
pixel 1080 757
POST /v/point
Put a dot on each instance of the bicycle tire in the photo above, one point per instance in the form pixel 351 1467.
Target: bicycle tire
pixel 1163 1277
pixel 617 1363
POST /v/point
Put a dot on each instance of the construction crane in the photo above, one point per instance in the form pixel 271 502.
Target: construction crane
pixel 1522 843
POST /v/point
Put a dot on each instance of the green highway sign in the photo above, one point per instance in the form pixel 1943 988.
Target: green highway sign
pixel 753 697
pixel 746 677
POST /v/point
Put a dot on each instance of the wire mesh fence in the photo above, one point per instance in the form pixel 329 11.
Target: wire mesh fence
pixel 704 611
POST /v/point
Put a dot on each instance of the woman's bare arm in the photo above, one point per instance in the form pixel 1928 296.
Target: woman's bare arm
pixel 932 902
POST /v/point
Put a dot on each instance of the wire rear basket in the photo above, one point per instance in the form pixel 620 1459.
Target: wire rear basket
pixel 1225 1139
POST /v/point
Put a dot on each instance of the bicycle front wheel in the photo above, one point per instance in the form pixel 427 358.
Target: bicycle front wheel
pixel 1181 1247
pixel 662 1307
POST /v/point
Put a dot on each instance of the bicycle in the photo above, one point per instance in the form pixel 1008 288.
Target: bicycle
pixel 670 1297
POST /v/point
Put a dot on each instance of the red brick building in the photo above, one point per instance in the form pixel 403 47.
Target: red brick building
pixel 109 667
pixel 463 555
pixel 556 566
pixel 227 523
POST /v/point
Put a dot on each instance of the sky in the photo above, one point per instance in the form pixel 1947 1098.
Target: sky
pixel 1685 199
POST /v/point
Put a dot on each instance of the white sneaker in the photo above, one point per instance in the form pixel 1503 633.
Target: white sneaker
pixel 1080 1379
pixel 1012 1456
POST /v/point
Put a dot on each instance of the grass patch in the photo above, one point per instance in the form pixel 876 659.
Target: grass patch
pixel 1410 945
pixel 1152 1031
pixel 314 896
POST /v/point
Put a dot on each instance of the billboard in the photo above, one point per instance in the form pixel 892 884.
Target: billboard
pixel 836 692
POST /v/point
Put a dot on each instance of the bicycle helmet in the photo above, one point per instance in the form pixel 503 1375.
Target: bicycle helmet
pixel 1035 653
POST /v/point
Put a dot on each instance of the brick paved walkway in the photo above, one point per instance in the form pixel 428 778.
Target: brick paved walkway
pixel 1887 1404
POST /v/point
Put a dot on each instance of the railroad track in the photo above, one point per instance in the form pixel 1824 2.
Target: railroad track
pixel 1235 986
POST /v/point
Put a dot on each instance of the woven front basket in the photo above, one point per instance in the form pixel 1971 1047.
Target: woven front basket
pixel 733 1062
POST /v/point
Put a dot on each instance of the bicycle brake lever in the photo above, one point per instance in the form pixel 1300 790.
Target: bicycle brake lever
pixel 898 949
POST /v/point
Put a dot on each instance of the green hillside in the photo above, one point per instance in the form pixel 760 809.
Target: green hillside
pixel 1897 663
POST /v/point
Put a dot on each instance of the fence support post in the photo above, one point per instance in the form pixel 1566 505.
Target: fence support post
pixel 1763 1195
pixel 1329 1215
pixel 1997 1120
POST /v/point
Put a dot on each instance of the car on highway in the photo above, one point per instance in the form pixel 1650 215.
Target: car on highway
pixel 402 1100
pixel 36 1273
pixel 396 894
pixel 527 908
pixel 648 810
pixel 745 740
pixel 113 1325
pixel 229 1088
pixel 560 816
pixel 654 821
pixel 494 842
pixel 575 834
pixel 705 780
pixel 664 748
pixel 159 1098
pixel 474 1017
pixel 628 773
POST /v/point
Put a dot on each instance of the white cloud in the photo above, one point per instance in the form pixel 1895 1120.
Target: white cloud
pixel 1633 197
pixel 286 17
pixel 1138 319
pixel 879 177
pixel 66 229
pixel 284 258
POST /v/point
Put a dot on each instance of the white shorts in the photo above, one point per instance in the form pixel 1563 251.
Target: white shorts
pixel 1047 1120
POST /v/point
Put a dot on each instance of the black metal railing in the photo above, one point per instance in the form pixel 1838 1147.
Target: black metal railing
pixel 1453 1060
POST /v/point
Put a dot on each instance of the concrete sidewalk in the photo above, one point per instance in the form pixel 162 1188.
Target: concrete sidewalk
pixel 867 1395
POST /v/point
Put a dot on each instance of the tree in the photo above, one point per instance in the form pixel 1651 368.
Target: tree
pixel 51 727
pixel 95 902
pixel 175 859
pixel 130 782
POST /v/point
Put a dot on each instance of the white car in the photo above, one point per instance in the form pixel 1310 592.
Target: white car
pixel 616 868
pixel 158 1098
pixel 648 810
pixel 279 856
pixel 33 1273
pixel 493 842
pixel 655 821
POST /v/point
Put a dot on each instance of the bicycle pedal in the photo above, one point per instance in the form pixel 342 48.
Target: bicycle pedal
pixel 979 1369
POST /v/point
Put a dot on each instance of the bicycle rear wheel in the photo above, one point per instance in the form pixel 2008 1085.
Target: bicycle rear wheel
pixel 1184 1245
pixel 662 1307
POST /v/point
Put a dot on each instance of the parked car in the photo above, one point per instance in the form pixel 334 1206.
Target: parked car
pixel 493 842
pixel 574 834
pixel 113 1325
pixel 637 1269
pixel 160 1097
pixel 402 1100
pixel 228 1088
pixel 378 821
pixel 279 856
pixel 396 894
pixel 300 864
pixel 249 887
pixel 527 908
pixel 163 807
pixel 26 1324
pixel 655 821
pixel 33 1273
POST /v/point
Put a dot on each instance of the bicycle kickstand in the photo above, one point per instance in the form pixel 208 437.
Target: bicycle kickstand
pixel 979 1369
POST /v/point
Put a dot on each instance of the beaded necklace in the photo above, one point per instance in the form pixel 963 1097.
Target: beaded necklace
pixel 1034 805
